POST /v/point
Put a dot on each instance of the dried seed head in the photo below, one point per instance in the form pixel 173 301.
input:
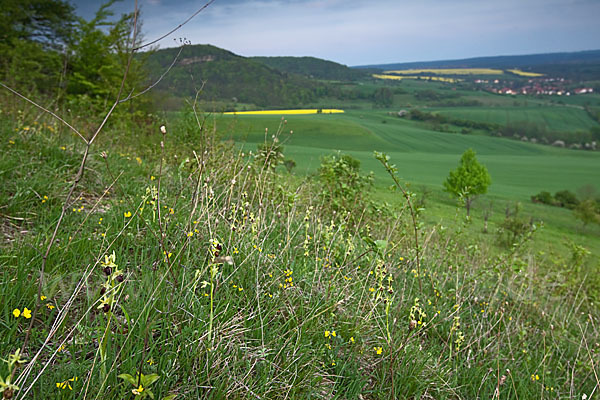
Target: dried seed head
pixel 104 155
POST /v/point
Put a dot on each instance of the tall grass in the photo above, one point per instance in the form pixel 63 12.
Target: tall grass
pixel 308 308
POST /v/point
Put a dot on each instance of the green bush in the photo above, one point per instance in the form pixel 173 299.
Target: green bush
pixel 343 185
pixel 543 197
pixel 566 199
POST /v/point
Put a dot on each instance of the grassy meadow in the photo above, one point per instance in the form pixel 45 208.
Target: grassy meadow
pixel 190 271
pixel 424 157
pixel 174 256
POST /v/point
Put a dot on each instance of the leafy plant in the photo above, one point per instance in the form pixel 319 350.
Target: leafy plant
pixel 343 183
pixel 469 180
pixel 141 384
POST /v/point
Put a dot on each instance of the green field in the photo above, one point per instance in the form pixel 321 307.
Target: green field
pixel 519 170
pixel 424 158
pixel 554 118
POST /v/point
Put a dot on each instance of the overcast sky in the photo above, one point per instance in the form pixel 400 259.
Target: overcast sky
pixel 354 32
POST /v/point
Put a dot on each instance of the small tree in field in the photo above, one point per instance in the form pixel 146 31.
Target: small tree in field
pixel 469 180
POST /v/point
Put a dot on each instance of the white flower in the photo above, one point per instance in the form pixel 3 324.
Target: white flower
pixel 163 129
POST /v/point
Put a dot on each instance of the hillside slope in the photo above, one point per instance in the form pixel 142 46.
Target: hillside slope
pixel 313 67
pixel 225 76
pixel 583 65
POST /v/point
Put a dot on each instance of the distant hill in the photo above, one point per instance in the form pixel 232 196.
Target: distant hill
pixel 582 65
pixel 313 68
pixel 227 77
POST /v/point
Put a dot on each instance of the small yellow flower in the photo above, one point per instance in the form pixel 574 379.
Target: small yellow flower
pixel 378 350
pixel 138 391
pixel 151 361
pixel 171 211
pixel 333 334
pixel 327 333
pixel 127 214
pixel 352 339
pixel 152 177
pixel 67 383
pixel 371 289
pixel 190 234
pixel 50 306
pixel 16 312
pixel 26 313
pixel 139 160
pixel 42 297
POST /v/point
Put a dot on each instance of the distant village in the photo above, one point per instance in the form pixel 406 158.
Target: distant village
pixel 537 86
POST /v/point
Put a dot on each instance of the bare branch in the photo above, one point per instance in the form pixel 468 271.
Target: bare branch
pixel 157 82
pixel 177 28
pixel 44 109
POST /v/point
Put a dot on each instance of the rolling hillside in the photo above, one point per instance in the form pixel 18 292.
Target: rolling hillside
pixel 584 65
pixel 226 77
pixel 313 68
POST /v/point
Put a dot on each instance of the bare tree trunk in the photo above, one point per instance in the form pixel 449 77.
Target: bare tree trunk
pixel 468 204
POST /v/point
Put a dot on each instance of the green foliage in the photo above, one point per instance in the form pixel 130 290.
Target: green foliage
pixel 34 36
pixel 543 197
pixel 228 77
pixel 289 165
pixel 469 180
pixel 100 55
pixel 587 211
pixel 313 67
pixel 383 97
pixel 141 384
pixel 566 198
pixel 269 155
pixel 343 185
pixel 46 22
pixel 515 227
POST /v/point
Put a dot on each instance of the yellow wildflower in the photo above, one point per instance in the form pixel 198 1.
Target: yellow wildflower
pixel 127 214
pixel 26 313
pixel 137 391
pixel 16 312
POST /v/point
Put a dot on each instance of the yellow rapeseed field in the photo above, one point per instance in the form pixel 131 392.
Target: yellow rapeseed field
pixel 287 112
pixel 523 73
pixel 449 71
pixel 429 78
